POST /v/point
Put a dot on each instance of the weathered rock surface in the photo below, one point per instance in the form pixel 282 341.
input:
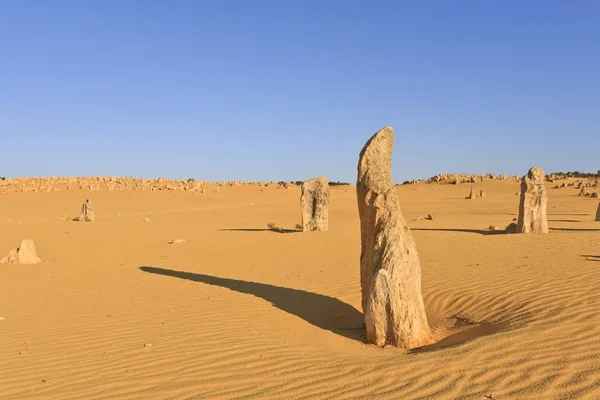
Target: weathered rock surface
pixel 314 200
pixel 24 254
pixel 390 272
pixel 532 207
pixel 88 213
pixel 471 195
pixel 598 213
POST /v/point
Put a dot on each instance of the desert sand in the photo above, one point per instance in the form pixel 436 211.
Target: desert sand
pixel 240 311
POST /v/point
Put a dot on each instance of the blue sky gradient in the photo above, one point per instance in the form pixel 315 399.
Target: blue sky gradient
pixel 287 90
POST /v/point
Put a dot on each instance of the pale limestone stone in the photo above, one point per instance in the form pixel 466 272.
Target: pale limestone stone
pixel 88 213
pixel 390 271
pixel 532 207
pixel 314 200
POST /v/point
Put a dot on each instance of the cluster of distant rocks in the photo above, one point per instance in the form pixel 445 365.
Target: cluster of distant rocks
pixel 57 184
pixel 454 179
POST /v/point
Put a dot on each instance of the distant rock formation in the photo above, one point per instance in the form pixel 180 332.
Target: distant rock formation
pixel 88 213
pixel 471 195
pixel 314 200
pixel 390 272
pixel 24 254
pixel 532 207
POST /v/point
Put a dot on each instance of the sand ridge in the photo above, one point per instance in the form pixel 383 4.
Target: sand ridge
pixel 240 311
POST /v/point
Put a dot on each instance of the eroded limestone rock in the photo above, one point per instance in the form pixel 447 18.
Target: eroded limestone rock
pixel 315 204
pixel 88 213
pixel 532 207
pixel 24 254
pixel 390 272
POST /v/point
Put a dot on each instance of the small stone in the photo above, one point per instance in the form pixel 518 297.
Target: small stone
pixel 148 345
pixel 146 219
pixel 177 240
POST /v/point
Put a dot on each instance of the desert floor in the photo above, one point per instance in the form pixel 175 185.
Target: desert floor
pixel 238 311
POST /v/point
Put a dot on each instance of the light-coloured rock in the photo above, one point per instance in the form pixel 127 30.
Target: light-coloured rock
pixel 481 193
pixel 598 213
pixel 471 195
pixel 314 200
pixel 24 254
pixel 532 207
pixel 88 213
pixel 583 191
pixel 390 272
pixel 176 241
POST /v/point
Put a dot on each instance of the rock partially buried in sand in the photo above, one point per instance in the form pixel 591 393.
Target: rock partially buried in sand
pixel 481 193
pixel 24 254
pixel 532 207
pixel 390 273
pixel 176 241
pixel 315 204
pixel 88 213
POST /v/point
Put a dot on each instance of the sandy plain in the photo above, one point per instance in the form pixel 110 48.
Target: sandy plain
pixel 239 311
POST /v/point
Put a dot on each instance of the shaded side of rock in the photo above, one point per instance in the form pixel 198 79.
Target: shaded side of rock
pixel 598 213
pixel 511 228
pixel 532 206
pixel 390 271
pixel 314 200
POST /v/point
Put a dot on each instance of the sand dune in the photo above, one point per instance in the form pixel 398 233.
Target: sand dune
pixel 239 311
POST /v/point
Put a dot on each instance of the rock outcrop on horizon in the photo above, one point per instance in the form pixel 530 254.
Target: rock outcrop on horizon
pixel 390 271
pixel 314 199
pixel 532 206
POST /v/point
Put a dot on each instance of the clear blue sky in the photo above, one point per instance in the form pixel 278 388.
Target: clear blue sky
pixel 287 90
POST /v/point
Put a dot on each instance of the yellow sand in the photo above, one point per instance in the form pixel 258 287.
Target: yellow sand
pixel 238 311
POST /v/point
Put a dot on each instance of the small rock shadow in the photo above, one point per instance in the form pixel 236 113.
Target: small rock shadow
pixel 485 232
pixel 275 230
pixel 467 331
pixel 576 229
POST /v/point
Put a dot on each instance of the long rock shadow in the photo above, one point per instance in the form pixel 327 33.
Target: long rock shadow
pixel 478 231
pixel 319 310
